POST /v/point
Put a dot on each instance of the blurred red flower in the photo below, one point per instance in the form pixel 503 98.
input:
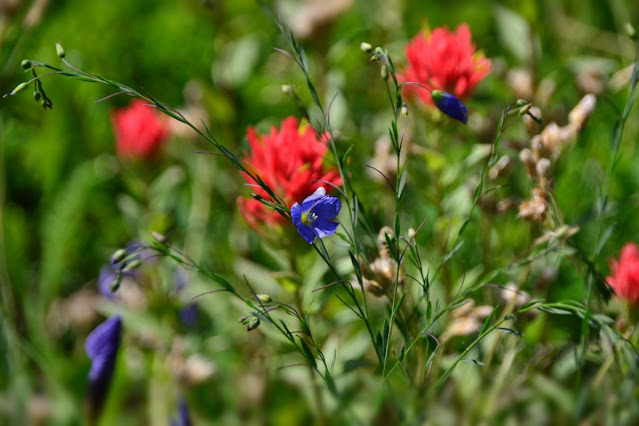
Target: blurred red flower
pixel 625 274
pixel 444 61
pixel 290 162
pixel 139 130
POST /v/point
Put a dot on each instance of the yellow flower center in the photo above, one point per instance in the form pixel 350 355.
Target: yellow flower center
pixel 308 218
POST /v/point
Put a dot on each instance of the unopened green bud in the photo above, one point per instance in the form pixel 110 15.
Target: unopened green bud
pixel 115 284
pixel 524 110
pixel 404 110
pixel 19 88
pixel 630 31
pixel 366 47
pixel 263 298
pixel 134 264
pixel 59 50
pixel 245 319
pixel 379 51
pixel 374 58
pixel 43 103
pixel 521 102
pixel 118 256
pixel 26 64
pixel 37 96
pixel 253 324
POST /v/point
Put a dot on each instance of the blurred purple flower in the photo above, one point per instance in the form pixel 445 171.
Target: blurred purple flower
pixel 102 348
pixel 316 216
pixel 183 418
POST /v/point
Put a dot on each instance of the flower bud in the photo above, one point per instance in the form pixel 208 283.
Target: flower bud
pixel 384 72
pixel 59 50
pixel 404 110
pixel 118 256
pixel 26 64
pixel 521 102
pixel 524 110
pixel 366 47
pixel 36 96
pixel 115 284
pixel 134 264
pixel 19 88
pixel 411 233
pixel 263 298
pixel 253 324
pixel 245 319
pixel 379 51
pixel 450 105
pixel 287 90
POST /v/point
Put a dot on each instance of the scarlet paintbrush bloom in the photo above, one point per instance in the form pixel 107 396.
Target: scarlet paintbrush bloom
pixel 291 162
pixel 139 130
pixel 444 61
pixel 625 274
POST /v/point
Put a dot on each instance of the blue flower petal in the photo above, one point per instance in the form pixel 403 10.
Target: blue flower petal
pixel 310 200
pixel 296 214
pixel 450 105
pixel 327 208
pixel 105 338
pixel 102 347
pixel 324 228
pixel 306 233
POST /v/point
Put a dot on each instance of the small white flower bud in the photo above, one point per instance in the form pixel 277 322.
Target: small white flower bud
pixel 263 298
pixel 287 90
pixel 366 47
pixel 59 50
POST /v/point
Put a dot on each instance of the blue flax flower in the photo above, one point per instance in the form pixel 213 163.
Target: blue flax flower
pixel 183 418
pixel 102 347
pixel 316 216
pixel 450 105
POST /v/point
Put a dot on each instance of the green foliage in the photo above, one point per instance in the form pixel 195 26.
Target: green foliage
pixel 460 311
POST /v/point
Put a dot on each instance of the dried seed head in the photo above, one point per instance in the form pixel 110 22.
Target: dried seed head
pixel 526 156
pixel 373 287
pixel 582 111
pixel 543 167
pixel 521 81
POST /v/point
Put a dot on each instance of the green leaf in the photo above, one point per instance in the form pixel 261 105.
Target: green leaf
pixel 488 320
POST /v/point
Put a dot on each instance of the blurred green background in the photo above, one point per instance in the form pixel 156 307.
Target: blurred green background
pixel 67 202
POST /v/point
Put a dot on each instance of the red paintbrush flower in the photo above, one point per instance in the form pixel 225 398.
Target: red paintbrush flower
pixel 444 61
pixel 139 130
pixel 291 162
pixel 625 274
